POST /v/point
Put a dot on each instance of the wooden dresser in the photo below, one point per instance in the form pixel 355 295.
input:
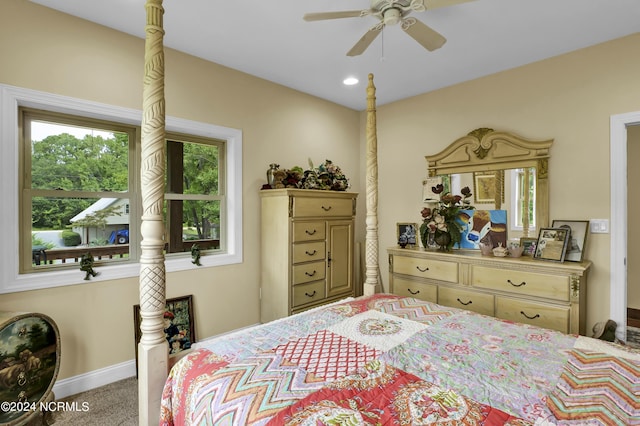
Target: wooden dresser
pixel 307 249
pixel 546 294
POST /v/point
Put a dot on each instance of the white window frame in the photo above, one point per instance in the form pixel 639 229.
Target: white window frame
pixel 11 98
pixel 515 206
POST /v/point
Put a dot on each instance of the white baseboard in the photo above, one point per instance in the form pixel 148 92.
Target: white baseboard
pixel 104 376
pixel 94 379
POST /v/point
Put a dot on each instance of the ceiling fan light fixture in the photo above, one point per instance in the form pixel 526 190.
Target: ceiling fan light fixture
pixel 392 16
pixel 350 81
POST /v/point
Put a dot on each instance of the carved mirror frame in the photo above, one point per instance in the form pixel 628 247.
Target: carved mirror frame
pixel 484 150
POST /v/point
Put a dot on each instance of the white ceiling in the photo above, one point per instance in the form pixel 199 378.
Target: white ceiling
pixel 269 39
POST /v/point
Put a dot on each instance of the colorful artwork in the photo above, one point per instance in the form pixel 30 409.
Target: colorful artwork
pixel 29 352
pixel 179 327
pixel 487 226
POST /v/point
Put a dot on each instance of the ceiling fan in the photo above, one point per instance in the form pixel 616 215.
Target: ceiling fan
pixel 392 12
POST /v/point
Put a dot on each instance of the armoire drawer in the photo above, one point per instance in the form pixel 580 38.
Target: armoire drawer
pixel 426 268
pixel 538 314
pixel 308 231
pixel 465 299
pixel 520 282
pixel 408 288
pixel 322 207
pixel 307 293
pixel 307 272
pixel 306 252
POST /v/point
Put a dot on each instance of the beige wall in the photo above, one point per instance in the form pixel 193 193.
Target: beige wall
pixel 633 206
pixel 45 50
pixel 569 98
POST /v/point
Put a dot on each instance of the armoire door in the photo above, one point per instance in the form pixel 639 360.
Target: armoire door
pixel 339 257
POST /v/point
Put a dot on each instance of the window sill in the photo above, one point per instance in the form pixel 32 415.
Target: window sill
pixel 67 277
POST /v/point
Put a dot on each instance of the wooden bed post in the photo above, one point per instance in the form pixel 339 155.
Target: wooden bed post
pixel 153 351
pixel 371 249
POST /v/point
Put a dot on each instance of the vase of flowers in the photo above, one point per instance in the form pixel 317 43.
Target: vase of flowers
pixel 440 224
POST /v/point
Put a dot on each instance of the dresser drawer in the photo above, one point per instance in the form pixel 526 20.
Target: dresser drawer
pixel 307 293
pixel 519 282
pixel 322 207
pixel 426 268
pixel 308 231
pixel 306 252
pixel 466 299
pixel 308 272
pixel 538 314
pixel 409 288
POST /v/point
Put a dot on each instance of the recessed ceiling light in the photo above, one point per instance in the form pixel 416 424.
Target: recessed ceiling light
pixel 350 81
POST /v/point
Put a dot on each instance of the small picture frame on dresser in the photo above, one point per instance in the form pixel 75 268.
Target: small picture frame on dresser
pixel 529 245
pixel 552 244
pixel 578 230
pixel 406 234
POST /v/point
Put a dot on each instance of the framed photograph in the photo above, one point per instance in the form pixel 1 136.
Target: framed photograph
pixel 179 327
pixel 578 237
pixel 529 245
pixel 552 244
pixel 485 184
pixel 407 233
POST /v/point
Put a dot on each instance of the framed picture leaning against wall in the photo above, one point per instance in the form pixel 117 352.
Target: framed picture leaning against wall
pixel 577 240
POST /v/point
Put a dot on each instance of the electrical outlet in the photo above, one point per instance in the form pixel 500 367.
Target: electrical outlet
pixel 599 226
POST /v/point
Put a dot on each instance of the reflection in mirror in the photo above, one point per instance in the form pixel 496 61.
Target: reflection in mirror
pixel 513 190
pixel 504 171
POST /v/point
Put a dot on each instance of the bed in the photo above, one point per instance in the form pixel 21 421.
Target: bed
pixel 385 359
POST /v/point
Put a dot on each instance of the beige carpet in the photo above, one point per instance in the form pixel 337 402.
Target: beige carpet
pixel 115 404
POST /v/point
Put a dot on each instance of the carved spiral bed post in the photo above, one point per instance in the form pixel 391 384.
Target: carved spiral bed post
pixel 152 350
pixel 371 247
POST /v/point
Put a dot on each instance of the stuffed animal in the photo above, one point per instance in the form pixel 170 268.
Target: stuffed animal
pixel 278 177
pixel 605 331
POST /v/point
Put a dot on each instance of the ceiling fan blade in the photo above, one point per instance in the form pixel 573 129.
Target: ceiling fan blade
pixel 427 37
pixel 320 16
pixel 366 40
pixel 434 4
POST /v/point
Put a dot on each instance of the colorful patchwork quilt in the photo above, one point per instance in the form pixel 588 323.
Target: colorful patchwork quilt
pixel 389 360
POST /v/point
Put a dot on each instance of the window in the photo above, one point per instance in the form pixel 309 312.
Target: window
pixel 76 183
pixel 73 165
pixel 524 197
pixel 194 193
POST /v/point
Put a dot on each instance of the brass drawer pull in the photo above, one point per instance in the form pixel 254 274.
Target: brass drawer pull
pixel 310 232
pixel 517 285
pixel 413 292
pixel 310 274
pixel 326 209
pixel 311 253
pixel 465 304
pixel 422 270
pixel 527 316
pixel 310 295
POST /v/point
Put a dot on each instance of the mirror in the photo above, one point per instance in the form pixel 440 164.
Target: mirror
pixel 504 172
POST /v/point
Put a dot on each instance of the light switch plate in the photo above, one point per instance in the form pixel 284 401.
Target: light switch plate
pixel 599 226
